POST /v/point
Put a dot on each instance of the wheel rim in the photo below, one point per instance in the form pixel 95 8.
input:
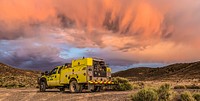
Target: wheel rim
pixel 74 87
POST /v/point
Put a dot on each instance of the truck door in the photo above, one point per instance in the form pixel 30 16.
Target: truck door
pixel 53 77
pixel 64 75
pixel 58 77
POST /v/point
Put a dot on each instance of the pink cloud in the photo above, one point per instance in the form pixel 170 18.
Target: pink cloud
pixel 139 30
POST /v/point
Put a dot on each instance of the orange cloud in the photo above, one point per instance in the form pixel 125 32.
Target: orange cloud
pixel 149 30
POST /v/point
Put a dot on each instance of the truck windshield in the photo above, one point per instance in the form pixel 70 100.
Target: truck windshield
pixel 99 68
pixel 54 71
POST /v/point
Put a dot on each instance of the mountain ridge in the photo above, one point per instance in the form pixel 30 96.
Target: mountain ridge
pixel 14 77
pixel 173 71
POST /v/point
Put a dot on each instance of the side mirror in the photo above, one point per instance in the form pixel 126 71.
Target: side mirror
pixel 42 73
pixel 46 72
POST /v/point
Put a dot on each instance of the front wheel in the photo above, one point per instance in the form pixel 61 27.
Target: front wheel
pixel 42 87
pixel 74 87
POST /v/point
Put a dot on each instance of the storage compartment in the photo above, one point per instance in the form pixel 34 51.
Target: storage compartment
pixel 99 69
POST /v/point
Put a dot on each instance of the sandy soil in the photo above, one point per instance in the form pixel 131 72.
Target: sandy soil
pixel 55 95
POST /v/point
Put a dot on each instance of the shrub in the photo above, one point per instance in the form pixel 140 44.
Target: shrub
pixel 179 87
pixel 186 96
pixel 196 96
pixel 10 85
pixel 21 85
pixel 193 86
pixel 122 84
pixel 164 92
pixel 136 86
pixel 145 95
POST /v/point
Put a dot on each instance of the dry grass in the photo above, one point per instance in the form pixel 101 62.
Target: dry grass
pixel 166 92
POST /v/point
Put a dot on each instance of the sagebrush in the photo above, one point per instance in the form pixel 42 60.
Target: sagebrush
pixel 186 96
pixel 164 92
pixel 122 84
pixel 145 95
pixel 196 96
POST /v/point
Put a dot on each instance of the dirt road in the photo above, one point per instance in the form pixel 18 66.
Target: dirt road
pixel 55 95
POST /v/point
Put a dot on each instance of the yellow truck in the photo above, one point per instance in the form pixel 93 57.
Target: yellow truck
pixel 86 73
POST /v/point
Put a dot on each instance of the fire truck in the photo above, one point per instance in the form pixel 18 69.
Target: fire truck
pixel 81 74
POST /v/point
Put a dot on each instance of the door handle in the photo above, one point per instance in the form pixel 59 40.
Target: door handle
pixel 55 76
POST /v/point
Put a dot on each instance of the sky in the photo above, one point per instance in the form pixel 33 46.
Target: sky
pixel 41 34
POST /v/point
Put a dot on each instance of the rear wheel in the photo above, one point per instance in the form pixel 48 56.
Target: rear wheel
pixel 96 89
pixel 74 87
pixel 43 87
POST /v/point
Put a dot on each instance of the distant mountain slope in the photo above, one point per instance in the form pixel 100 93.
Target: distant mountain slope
pixel 174 71
pixel 13 77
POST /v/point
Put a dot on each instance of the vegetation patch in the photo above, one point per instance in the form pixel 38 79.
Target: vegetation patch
pixel 186 96
pixel 122 84
pixel 17 82
pixel 145 95
pixel 164 92
pixel 196 96
pixel 15 78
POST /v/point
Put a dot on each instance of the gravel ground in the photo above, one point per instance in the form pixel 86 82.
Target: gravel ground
pixel 54 95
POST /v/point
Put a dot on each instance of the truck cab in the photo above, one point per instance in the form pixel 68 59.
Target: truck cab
pixel 85 73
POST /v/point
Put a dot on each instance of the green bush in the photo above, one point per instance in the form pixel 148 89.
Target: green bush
pixel 145 95
pixel 122 84
pixel 186 96
pixel 164 92
pixel 196 96
pixel 179 87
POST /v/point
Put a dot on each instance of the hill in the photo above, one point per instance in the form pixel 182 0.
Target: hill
pixel 174 71
pixel 14 77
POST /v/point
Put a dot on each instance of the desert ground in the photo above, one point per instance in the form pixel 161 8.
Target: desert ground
pixel 33 94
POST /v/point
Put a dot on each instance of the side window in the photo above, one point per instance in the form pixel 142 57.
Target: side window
pixel 54 71
pixel 60 69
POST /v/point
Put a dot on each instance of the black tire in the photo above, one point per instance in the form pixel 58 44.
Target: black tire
pixel 74 87
pixel 80 88
pixel 43 87
pixel 96 89
pixel 62 89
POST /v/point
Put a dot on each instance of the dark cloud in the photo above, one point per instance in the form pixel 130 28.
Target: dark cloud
pixel 65 21
pixel 111 24
pixel 6 33
pixel 33 57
